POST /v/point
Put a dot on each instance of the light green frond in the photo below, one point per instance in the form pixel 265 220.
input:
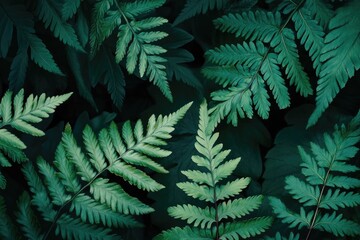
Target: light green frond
pixel 27 219
pixel 284 44
pixel 194 190
pixel 337 225
pixel 338 199
pixel 54 186
pixel 135 177
pixel 195 7
pixel 93 149
pixel 198 177
pixel 66 172
pixel 232 188
pixel 47 11
pixel 260 97
pixel 305 193
pixel 340 57
pixel 225 170
pixel 74 228
pixel 212 221
pixel 116 198
pixel 76 156
pixel 203 217
pixel 244 229
pixel 343 182
pixel 32 111
pixel 94 212
pixel 185 233
pixel 7 138
pixel 257 25
pixel 239 207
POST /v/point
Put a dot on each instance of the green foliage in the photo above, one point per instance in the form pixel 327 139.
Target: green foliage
pixel 209 186
pixel 135 37
pixel 340 57
pixel 257 63
pixel 328 184
pixel 64 183
pixel 21 115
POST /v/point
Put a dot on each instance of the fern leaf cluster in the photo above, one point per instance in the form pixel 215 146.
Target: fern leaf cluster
pixel 220 218
pixel 16 16
pixel 328 186
pixel 74 195
pixel 340 57
pixel 21 115
pixel 135 37
pixel 248 70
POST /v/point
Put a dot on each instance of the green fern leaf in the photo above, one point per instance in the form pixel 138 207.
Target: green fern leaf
pixel 73 228
pixel 210 221
pixel 324 190
pixel 340 57
pixel 34 109
pixel 321 10
pixel 7 230
pixel 195 7
pixel 311 35
pixel 245 229
pixel 239 207
pixel 276 83
pixel 135 38
pixel 116 198
pixel 48 12
pixel 6 30
pixel 26 218
pixel 185 233
pixel 258 25
pixel 18 69
pixel 41 55
pixel 338 226
pixel 284 45
pixel 69 8
pixel 336 199
pixel 203 217
pixel 94 212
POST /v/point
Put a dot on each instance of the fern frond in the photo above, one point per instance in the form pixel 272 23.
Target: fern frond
pixel 340 57
pixel 203 217
pixel 27 219
pixel 325 190
pixel 48 12
pixel 284 44
pixel 311 35
pixel 135 40
pixel 195 7
pixel 205 187
pixel 21 115
pixel 94 212
pixel 7 230
pixel 253 26
pixel 244 229
pixel 338 226
pixel 74 228
pixel 185 233
pixel 121 152
pixel 69 8
pixel 322 11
